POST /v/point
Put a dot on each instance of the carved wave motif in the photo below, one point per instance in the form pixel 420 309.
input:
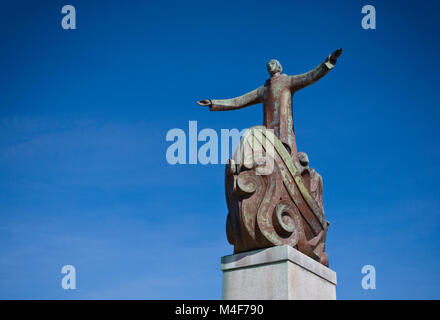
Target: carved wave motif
pixel 270 209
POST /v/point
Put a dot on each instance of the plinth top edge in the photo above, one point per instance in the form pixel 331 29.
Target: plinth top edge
pixel 275 255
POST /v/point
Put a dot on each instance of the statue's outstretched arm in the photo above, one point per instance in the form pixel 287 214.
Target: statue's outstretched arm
pixel 303 80
pixel 248 99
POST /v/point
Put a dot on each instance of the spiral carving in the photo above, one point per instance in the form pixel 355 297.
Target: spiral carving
pixel 284 219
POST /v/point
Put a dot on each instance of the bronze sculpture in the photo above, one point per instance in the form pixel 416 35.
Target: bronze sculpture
pixel 285 206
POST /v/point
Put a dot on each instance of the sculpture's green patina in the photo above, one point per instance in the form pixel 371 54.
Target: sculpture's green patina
pixel 273 197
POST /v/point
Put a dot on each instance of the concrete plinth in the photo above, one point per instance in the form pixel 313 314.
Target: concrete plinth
pixel 277 273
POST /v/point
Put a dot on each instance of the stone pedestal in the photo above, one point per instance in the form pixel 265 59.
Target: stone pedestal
pixel 277 273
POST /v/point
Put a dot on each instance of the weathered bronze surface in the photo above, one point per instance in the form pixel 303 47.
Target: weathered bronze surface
pixel 282 205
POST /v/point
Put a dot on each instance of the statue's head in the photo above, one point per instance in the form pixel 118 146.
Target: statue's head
pixel 274 66
pixel 303 159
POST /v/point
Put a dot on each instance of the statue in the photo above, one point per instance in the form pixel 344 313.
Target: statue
pixel 284 206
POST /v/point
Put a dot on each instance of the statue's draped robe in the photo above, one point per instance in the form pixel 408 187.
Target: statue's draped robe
pixel 276 96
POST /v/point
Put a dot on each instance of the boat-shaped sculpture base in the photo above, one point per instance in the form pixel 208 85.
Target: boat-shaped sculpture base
pixel 273 198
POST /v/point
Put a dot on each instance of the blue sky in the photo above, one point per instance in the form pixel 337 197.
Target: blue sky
pixel 84 114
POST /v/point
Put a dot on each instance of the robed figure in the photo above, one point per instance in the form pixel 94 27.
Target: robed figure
pixel 276 96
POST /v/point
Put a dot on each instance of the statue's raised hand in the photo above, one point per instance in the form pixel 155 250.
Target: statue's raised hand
pixel 334 56
pixel 204 103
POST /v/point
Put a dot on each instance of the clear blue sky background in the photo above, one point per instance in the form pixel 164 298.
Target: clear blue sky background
pixel 84 114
